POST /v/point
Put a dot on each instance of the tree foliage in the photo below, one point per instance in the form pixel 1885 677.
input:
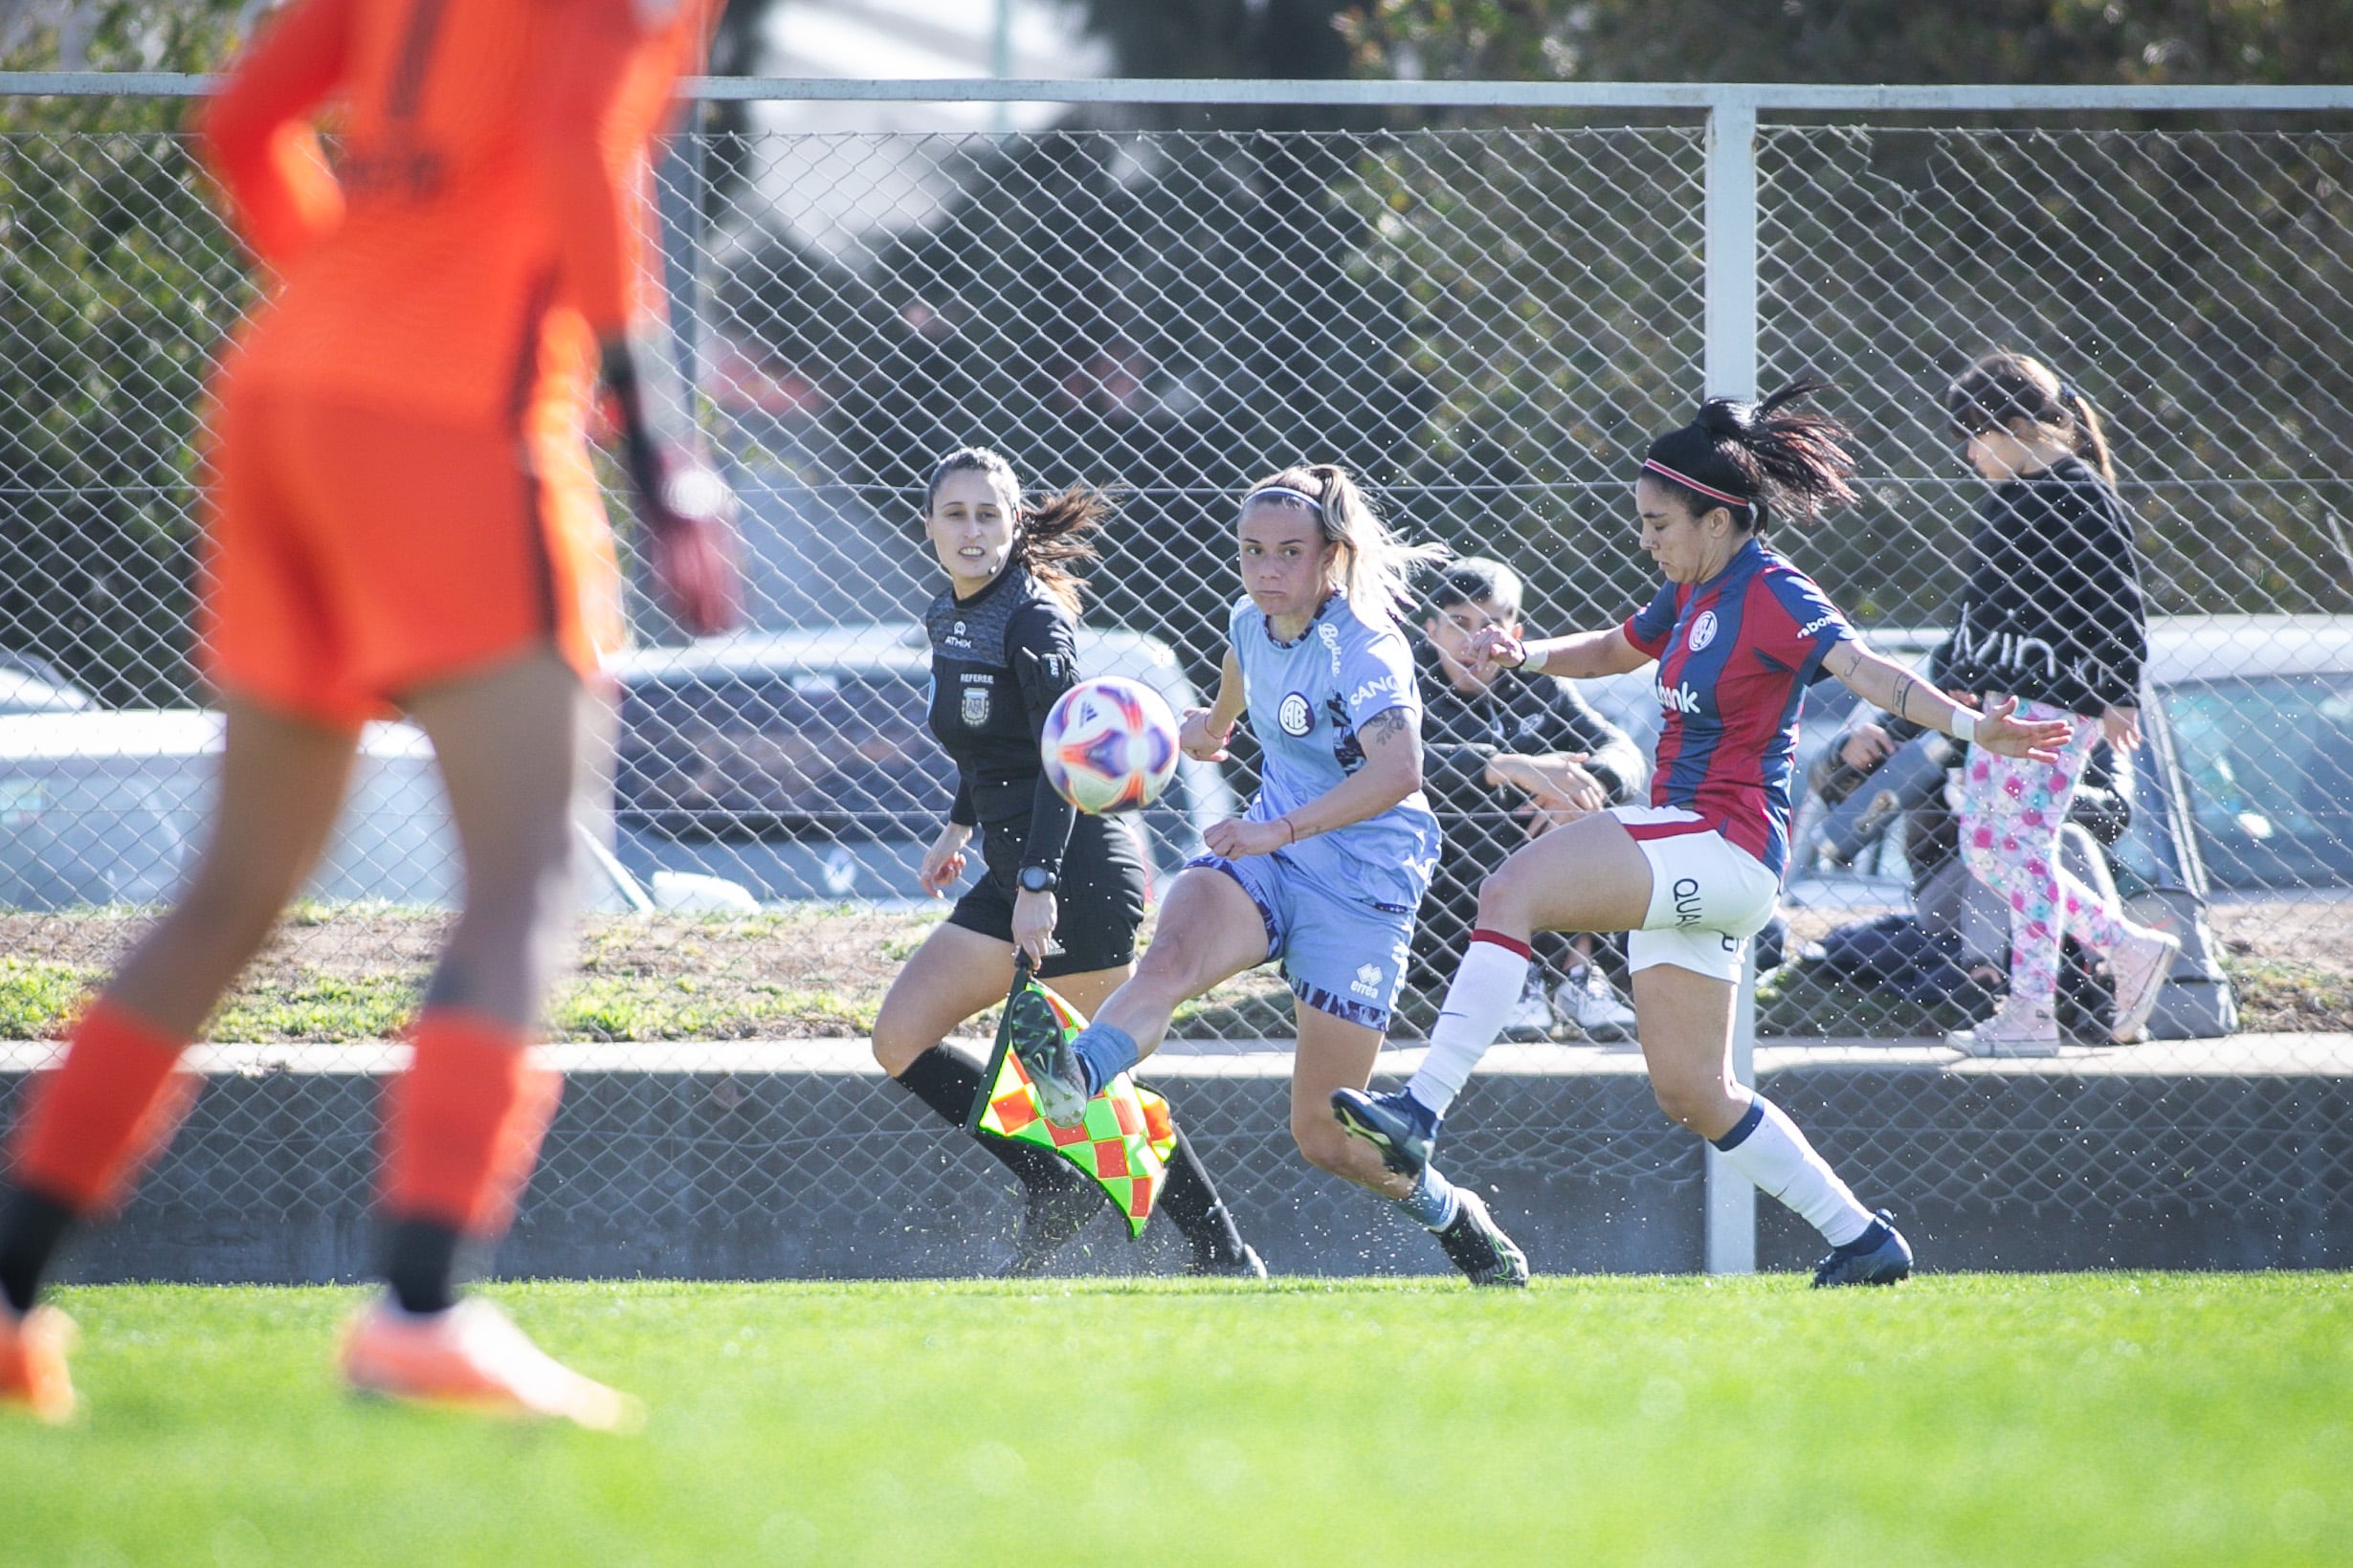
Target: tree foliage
pixel 116 285
pixel 2164 42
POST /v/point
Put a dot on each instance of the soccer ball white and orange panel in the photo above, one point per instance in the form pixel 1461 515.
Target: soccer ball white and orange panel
pixel 1110 744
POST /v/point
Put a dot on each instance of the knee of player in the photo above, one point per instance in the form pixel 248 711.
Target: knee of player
pixel 1690 1103
pixel 1503 896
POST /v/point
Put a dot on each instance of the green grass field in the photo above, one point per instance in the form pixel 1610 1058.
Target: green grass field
pixel 2092 1419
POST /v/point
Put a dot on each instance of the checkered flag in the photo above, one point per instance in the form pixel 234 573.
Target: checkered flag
pixel 1125 1138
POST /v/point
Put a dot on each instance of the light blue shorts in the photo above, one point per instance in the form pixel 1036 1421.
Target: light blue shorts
pixel 1342 956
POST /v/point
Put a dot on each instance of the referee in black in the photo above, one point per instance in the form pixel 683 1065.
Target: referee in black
pixel 1062 886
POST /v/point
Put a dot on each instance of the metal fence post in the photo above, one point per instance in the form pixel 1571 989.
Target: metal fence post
pixel 1730 367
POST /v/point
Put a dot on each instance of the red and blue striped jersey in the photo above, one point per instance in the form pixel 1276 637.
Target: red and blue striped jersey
pixel 1735 657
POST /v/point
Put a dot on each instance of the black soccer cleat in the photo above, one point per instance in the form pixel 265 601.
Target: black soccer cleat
pixel 1883 1263
pixel 1477 1246
pixel 1050 1216
pixel 1397 1124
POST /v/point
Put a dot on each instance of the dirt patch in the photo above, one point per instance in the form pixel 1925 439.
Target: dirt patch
pixel 344 974
pixel 340 974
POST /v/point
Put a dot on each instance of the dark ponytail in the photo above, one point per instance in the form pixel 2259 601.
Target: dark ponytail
pixel 1052 538
pixel 1755 460
pixel 1047 531
pixel 2007 385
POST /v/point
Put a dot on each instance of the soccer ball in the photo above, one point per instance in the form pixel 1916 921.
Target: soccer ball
pixel 1110 745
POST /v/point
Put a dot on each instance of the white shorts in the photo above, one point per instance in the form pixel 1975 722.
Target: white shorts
pixel 1707 897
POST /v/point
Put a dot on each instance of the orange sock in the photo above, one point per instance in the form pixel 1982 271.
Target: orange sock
pixel 462 1126
pixel 93 1122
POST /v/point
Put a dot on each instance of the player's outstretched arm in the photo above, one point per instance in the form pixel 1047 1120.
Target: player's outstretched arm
pixel 1581 655
pixel 1393 771
pixel 1888 685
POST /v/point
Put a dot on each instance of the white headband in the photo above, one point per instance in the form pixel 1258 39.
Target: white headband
pixel 1287 492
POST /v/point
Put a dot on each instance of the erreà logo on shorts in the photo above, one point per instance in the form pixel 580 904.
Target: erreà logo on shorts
pixel 1702 630
pixel 1368 980
pixel 1294 716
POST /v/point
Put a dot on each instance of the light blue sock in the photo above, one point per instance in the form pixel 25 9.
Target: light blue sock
pixel 1432 1204
pixel 1105 1053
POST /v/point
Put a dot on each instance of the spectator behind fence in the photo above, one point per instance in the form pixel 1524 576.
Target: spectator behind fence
pixel 1505 755
pixel 2050 614
pixel 1951 946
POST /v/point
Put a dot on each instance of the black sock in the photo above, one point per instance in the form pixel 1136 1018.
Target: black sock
pixel 28 1239
pixel 1193 1205
pixel 946 1082
pixel 420 1264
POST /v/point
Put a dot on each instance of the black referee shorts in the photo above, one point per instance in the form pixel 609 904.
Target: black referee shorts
pixel 1100 899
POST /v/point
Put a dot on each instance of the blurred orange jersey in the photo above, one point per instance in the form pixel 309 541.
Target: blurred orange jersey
pixel 480 225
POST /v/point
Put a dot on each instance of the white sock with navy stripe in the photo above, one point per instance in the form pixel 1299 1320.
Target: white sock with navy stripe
pixel 1487 985
pixel 1765 1146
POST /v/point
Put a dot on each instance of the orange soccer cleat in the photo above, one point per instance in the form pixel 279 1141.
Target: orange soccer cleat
pixel 475 1357
pixel 32 1361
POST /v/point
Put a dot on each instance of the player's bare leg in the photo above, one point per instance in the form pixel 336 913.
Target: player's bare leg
pixel 115 1099
pixel 463 1124
pixel 1208 931
pixel 1335 1059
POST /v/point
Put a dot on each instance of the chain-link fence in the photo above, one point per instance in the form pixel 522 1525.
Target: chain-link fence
pixel 1484 313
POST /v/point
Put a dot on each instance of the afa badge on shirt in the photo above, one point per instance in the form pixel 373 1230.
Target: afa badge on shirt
pixel 975 707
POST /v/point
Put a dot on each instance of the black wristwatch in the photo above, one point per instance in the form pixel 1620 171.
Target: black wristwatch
pixel 1037 879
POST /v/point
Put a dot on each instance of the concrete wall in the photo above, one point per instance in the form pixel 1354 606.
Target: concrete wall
pixel 827 1172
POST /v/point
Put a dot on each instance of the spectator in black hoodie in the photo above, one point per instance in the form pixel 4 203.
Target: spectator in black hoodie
pixel 1504 757
pixel 2050 616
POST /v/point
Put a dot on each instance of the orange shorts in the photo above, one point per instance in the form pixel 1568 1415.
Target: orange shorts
pixel 352 555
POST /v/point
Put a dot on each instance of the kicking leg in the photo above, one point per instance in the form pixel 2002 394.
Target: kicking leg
pixel 1588 876
pixel 1208 930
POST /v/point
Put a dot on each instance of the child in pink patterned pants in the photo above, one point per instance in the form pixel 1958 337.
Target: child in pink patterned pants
pixel 2052 615
pixel 2012 810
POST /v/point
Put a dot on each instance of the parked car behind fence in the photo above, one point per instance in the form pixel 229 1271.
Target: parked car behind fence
pixel 799 764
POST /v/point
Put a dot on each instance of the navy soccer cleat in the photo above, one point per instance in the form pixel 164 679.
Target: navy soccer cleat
pixel 1882 1262
pixel 1477 1246
pixel 1398 1125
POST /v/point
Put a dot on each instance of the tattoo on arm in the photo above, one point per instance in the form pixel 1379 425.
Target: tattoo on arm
pixel 1904 691
pixel 1386 725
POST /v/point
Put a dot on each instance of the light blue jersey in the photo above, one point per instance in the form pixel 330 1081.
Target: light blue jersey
pixel 1306 701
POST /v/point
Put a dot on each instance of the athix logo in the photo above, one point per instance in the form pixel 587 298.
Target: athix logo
pixel 1677 699
pixel 1368 980
pixel 1703 630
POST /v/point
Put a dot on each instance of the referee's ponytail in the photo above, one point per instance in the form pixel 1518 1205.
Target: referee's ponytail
pixel 1049 531
pixel 1755 461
